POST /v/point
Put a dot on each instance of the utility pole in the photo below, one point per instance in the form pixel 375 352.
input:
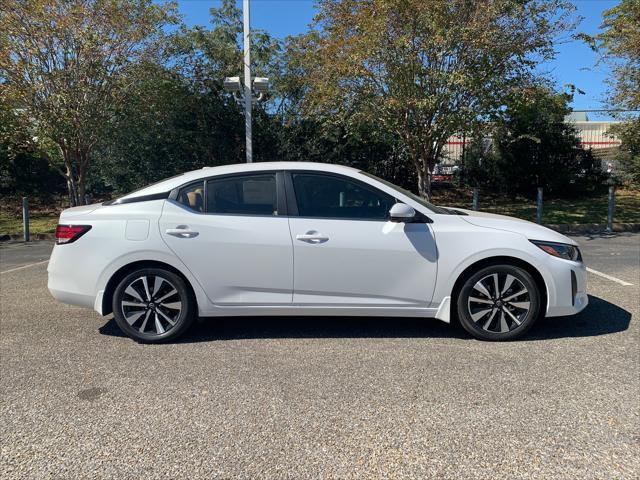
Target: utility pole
pixel 248 97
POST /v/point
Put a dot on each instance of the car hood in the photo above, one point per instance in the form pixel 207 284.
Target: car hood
pixel 531 230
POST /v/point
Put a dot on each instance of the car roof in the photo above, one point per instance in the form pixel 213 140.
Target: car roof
pixel 173 182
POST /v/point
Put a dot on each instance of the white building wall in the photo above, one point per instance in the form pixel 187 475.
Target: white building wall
pixel 593 135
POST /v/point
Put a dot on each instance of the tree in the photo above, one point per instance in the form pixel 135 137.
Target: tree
pixel 23 171
pixel 620 43
pixel 66 66
pixel 628 159
pixel 167 128
pixel 423 69
pixel 534 147
pixel 181 118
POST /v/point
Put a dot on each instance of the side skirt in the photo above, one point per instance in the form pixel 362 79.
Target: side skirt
pixel 293 310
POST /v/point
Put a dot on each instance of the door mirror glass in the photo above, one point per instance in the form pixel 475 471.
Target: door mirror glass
pixel 401 212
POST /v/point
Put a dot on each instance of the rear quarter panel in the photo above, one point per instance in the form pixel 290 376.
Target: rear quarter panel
pixel 119 236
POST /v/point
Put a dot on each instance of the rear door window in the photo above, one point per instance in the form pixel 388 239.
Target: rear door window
pixel 243 195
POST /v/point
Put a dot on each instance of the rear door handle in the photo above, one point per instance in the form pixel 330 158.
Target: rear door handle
pixel 312 237
pixel 182 231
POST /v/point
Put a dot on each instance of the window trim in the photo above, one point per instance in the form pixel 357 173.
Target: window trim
pixel 281 201
pixel 285 195
pixel 292 201
pixel 142 198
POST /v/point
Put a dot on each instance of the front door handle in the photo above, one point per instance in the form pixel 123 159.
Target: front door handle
pixel 182 231
pixel 312 237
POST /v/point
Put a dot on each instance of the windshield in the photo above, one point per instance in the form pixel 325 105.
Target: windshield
pixel 411 195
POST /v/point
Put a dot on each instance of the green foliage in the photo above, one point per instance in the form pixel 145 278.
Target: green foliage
pixel 620 42
pixel 422 69
pixel 180 118
pixel 23 169
pixel 166 129
pixel 627 169
pixel 67 66
pixel 28 174
pixel 113 101
pixel 534 147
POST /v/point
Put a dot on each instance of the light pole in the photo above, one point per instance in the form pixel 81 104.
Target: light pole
pixel 248 97
pixel 243 91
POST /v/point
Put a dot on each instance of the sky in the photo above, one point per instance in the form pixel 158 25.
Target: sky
pixel 575 62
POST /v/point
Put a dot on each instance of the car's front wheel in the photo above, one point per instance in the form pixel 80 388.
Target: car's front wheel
pixel 153 305
pixel 498 302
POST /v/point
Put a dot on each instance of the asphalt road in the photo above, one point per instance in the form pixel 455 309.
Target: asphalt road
pixel 320 397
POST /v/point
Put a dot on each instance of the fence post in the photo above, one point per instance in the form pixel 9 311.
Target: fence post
pixel 25 218
pixel 539 207
pixel 475 199
pixel 612 206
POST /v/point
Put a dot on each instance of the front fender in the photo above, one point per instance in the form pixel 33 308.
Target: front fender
pixel 449 276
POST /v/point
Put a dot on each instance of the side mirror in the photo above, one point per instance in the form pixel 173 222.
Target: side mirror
pixel 401 212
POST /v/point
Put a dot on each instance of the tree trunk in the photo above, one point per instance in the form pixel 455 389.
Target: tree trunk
pixel 83 169
pixel 424 182
pixel 71 185
pixel 82 189
pixel 76 177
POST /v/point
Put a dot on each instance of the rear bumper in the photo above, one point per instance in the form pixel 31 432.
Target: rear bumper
pixel 69 281
pixel 72 298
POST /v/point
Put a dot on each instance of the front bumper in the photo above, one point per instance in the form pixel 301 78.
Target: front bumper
pixel 570 289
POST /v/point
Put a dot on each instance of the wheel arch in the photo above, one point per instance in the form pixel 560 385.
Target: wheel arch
pixel 500 260
pixel 118 275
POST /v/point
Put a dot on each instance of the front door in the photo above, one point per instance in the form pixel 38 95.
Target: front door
pixel 346 252
pixel 231 237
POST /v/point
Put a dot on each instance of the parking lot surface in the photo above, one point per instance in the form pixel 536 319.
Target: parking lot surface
pixel 320 397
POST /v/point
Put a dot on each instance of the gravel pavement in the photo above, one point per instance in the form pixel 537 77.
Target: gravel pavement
pixel 320 397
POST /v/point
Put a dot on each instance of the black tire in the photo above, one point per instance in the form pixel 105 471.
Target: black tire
pixel 498 314
pixel 162 317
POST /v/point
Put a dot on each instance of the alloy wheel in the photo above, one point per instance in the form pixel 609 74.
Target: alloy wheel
pixel 151 304
pixel 499 303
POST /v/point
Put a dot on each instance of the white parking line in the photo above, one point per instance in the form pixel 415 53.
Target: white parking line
pixel 25 266
pixel 609 277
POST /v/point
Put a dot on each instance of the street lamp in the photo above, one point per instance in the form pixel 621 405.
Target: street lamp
pixel 232 84
pixel 260 88
pixel 243 91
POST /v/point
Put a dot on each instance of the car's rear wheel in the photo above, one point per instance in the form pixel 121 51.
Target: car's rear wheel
pixel 498 302
pixel 153 305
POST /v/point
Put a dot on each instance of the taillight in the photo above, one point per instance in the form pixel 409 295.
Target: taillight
pixel 70 233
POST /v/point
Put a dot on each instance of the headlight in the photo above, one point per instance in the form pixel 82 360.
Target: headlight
pixel 562 250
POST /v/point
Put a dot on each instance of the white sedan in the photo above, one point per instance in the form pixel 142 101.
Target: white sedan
pixel 307 239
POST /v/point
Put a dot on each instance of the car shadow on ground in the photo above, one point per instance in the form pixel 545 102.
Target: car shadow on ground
pixel 599 318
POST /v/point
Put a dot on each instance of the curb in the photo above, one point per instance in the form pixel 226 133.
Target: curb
pixel 593 227
pixel 33 236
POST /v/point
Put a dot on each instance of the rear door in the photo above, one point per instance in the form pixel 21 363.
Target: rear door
pixel 347 252
pixel 229 232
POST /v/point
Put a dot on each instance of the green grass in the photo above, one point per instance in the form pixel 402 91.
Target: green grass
pixel 12 224
pixel 560 211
